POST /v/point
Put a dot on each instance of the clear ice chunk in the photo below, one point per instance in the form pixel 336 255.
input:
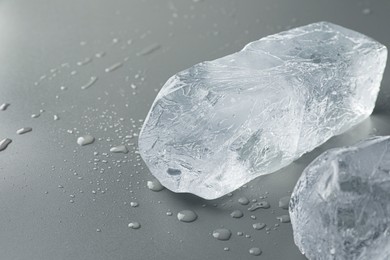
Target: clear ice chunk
pixel 340 207
pixel 221 123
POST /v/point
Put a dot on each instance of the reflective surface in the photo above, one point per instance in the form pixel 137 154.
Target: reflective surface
pixel 60 201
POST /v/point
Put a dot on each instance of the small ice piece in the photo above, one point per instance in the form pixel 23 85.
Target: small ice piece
pixel 119 149
pixel 340 205
pixel 259 205
pixel 86 139
pixel 23 130
pixel 224 122
pixel 4 106
pixel 4 143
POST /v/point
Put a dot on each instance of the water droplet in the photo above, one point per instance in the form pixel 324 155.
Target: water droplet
pixel 119 149
pixel 168 213
pixel 55 117
pixel 366 11
pixel 237 214
pixel 149 49
pixel 134 225
pixel 84 62
pixel 85 140
pixel 98 230
pixel 100 54
pixel 258 205
pixel 222 234
pixel 284 218
pixel 4 106
pixel 23 130
pixel 243 201
pixel 154 185
pixel 114 67
pixel 91 81
pixel 4 143
pixel 226 249
pixel 255 251
pixel 187 216
pixel 35 115
pixel 258 226
pixel 134 204
pixel 283 202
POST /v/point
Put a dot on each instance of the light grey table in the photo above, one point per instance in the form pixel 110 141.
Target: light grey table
pixel 44 171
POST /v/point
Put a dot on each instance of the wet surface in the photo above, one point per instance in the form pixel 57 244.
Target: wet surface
pixel 95 68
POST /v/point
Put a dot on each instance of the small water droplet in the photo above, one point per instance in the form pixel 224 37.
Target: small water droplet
pixel 222 234
pixel 114 67
pixel 366 11
pixel 154 185
pixel 283 202
pixel 284 218
pixel 237 214
pixel 134 204
pixel 149 49
pixel 100 54
pixel 255 251
pixel 35 115
pixel 23 130
pixel 4 106
pixel 258 226
pixel 4 143
pixel 243 201
pixel 134 225
pixel 98 230
pixel 56 117
pixel 187 216
pixel 258 205
pixel 85 140
pixel 119 149
pixel 84 62
pixel 91 81
pixel 226 249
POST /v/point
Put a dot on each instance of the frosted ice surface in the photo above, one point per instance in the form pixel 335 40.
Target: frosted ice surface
pixel 340 207
pixel 221 123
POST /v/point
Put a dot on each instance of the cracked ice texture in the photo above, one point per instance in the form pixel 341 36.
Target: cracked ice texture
pixel 340 207
pixel 221 123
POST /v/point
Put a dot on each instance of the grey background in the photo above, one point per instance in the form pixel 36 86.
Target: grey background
pixel 37 219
